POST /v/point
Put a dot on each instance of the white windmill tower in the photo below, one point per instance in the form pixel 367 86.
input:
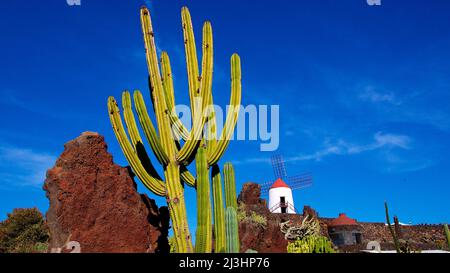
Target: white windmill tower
pixel 280 192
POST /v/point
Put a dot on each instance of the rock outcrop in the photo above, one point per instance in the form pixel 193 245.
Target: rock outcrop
pixel 94 204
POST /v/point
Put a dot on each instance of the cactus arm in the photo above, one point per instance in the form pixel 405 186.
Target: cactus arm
pixel 154 141
pixel 149 129
pixel 187 177
pixel 191 58
pixel 175 191
pixel 177 125
pixel 152 183
pixel 447 235
pixel 391 229
pixel 219 211
pixel 205 88
pixel 211 129
pixel 135 135
pixel 211 125
pixel 233 112
pixel 156 84
pixel 230 186
pixel 232 231
pixel 204 229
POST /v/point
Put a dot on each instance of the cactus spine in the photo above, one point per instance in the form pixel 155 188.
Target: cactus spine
pixel 165 144
pixel 447 235
pixel 232 231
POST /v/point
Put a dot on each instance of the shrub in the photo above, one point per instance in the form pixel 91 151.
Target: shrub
pixel 24 231
pixel 250 217
pixel 311 244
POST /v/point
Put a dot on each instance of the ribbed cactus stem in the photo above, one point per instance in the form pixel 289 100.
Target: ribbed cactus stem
pixel 447 235
pixel 232 231
pixel 174 189
pixel 391 229
pixel 153 183
pixel 230 186
pixel 219 211
pixel 203 238
pixel 233 112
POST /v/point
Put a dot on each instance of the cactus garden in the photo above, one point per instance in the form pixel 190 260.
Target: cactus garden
pixel 137 127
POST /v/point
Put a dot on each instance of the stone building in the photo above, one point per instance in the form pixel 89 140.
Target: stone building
pixel 344 231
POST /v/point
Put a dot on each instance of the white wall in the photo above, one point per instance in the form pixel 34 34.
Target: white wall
pixel 274 199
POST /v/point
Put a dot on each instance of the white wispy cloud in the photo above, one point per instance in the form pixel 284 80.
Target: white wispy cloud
pixel 341 147
pixel 23 167
pixel 371 94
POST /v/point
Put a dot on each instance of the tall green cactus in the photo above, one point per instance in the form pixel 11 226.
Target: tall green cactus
pixel 447 235
pixel 391 229
pixel 165 144
pixel 204 226
pixel 232 231
pixel 219 211
pixel 230 186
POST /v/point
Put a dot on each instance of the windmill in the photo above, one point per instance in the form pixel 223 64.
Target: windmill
pixel 280 191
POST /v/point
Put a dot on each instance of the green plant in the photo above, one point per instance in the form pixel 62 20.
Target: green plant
pixel 241 212
pixel 250 251
pixel 232 231
pixel 24 231
pixel 172 245
pixel 311 244
pixel 391 229
pixel 447 235
pixel 250 216
pixel 205 147
pixel 308 227
pixel 219 212
pixel 230 187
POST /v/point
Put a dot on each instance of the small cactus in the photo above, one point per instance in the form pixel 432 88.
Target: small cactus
pixel 311 244
pixel 391 229
pixel 232 231
pixel 447 235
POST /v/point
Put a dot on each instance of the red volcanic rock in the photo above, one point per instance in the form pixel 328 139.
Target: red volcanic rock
pixel 94 202
pixel 250 195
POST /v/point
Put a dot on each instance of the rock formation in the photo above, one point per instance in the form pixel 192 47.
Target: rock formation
pixel 94 204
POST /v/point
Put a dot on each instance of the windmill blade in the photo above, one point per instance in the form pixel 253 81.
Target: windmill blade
pixel 279 168
pixel 300 181
pixel 265 187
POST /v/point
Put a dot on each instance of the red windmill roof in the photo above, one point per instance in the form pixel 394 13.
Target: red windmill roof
pixel 342 220
pixel 279 184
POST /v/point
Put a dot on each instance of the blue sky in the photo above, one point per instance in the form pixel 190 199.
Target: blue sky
pixel 363 93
